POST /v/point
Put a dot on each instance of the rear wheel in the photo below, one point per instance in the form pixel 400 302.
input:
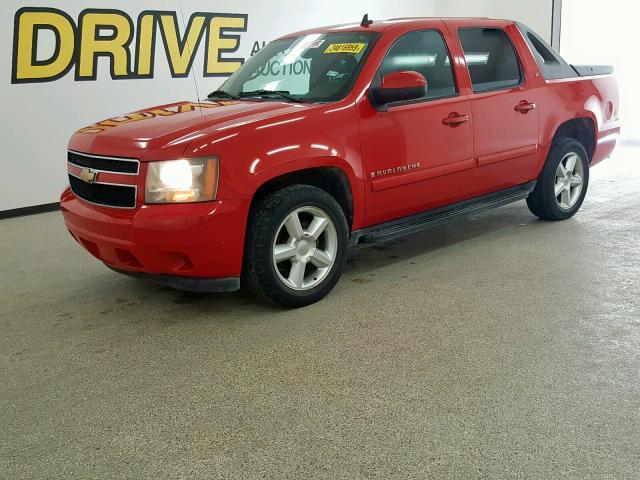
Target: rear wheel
pixel 563 182
pixel 296 246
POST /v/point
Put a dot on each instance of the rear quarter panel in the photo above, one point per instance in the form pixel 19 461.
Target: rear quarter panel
pixel 595 98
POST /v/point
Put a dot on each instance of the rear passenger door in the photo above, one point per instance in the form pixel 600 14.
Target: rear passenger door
pixel 504 109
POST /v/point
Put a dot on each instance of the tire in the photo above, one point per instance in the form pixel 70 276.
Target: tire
pixel 543 201
pixel 272 228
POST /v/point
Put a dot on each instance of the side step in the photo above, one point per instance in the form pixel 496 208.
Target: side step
pixel 432 218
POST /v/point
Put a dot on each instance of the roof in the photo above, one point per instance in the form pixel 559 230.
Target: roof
pixel 409 23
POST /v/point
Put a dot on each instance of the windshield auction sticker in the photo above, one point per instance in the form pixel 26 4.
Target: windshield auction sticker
pixel 345 48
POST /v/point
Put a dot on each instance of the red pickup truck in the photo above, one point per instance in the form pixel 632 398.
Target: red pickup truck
pixel 335 136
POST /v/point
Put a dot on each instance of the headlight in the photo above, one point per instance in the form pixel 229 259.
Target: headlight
pixel 182 181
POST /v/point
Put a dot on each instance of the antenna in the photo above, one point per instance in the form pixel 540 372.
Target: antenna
pixel 365 21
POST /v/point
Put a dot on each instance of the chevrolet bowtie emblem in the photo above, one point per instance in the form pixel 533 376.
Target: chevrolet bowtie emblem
pixel 88 176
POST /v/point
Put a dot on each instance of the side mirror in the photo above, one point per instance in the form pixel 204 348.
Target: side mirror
pixel 398 87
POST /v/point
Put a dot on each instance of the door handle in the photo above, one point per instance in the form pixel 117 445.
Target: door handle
pixel 455 119
pixel 525 107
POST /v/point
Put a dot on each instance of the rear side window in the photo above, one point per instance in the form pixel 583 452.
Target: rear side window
pixel 491 59
pixel 424 52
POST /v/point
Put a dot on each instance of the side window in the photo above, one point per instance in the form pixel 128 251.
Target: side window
pixel 424 52
pixel 491 59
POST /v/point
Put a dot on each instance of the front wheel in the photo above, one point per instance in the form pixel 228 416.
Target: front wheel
pixel 563 183
pixel 296 246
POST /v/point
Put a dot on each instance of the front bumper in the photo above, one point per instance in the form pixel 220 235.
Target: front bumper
pixel 197 241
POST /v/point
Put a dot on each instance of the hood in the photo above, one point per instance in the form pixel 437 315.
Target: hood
pixel 171 127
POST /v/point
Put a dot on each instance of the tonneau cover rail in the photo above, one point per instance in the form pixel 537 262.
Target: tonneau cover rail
pixel 589 70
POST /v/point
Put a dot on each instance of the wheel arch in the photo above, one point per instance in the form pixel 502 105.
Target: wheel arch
pixel 330 178
pixel 581 129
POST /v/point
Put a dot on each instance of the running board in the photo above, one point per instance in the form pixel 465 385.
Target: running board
pixel 432 218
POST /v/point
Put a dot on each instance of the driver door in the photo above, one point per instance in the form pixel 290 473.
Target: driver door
pixel 418 154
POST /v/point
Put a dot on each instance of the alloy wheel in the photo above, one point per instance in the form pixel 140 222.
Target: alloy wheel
pixel 569 181
pixel 305 248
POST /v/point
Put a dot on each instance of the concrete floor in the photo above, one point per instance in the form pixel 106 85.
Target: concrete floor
pixel 497 346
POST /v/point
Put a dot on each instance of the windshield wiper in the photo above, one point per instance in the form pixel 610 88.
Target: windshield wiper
pixel 221 94
pixel 265 93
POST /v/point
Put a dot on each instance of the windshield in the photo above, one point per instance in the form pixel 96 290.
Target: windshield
pixel 316 67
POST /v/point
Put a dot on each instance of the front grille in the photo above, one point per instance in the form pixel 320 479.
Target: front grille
pixel 123 196
pixel 111 194
pixel 104 164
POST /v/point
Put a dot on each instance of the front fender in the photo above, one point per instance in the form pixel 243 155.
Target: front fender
pixel 312 136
